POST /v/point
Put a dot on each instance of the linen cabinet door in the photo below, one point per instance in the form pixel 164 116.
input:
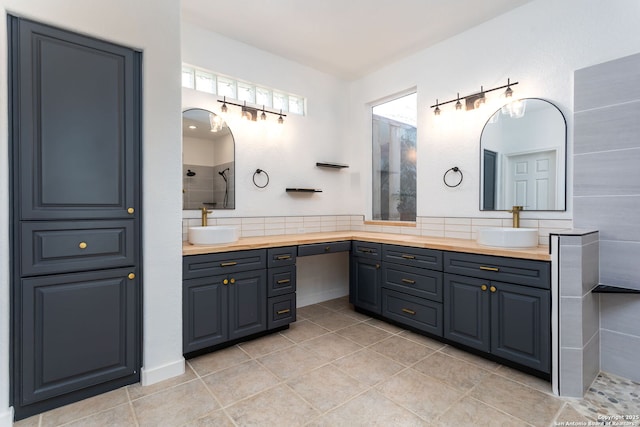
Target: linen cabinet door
pixel 466 311
pixel 78 330
pixel 520 323
pixel 204 313
pixel 247 303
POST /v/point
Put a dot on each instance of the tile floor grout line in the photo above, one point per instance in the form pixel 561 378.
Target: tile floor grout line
pixel 131 408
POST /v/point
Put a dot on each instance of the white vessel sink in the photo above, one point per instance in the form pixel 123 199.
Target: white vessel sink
pixel 510 238
pixel 213 234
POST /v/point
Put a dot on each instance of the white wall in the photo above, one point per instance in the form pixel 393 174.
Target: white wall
pixel 539 44
pixel 288 153
pixel 152 26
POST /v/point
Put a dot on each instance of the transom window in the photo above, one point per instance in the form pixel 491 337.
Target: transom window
pixel 216 84
pixel 394 159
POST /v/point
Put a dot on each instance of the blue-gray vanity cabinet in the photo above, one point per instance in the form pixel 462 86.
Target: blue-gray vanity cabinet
pixel 281 304
pixel 412 287
pixel 324 248
pixel 365 276
pixel 508 320
pixel 223 307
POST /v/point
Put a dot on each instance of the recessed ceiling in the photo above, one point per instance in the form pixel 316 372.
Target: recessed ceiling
pixel 346 38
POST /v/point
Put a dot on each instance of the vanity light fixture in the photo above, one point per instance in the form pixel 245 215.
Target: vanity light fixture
pixel 474 100
pixel 509 92
pixel 251 113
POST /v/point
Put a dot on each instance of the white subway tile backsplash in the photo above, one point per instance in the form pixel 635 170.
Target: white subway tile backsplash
pixel 457 221
pixel 457 228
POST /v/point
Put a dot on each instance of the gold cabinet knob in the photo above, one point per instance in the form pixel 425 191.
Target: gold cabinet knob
pixel 82 245
pixel 130 210
pixel 377 265
pixel 131 276
pixel 492 289
pixel 225 282
pixel 483 287
pixel 233 280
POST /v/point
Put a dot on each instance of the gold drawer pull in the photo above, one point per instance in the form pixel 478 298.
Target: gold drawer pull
pixel 482 267
pixel 228 264
pixel 282 281
pixel 483 287
pixel 232 281
pixel 285 311
pixel 327 248
pixel 377 265
pixel 409 281
pixel 492 289
pixel 225 282
pixel 406 310
pixel 365 250
pixel 82 245
pixel 131 276
pixel 283 257
pixel 130 211
pixel 405 256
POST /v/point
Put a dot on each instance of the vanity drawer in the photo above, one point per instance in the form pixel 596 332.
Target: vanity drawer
pixel 281 310
pixel 323 248
pixel 58 247
pixel 222 263
pixel 419 313
pixel 415 281
pixel 510 270
pixel 416 257
pixel 282 256
pixel 282 280
pixel 367 250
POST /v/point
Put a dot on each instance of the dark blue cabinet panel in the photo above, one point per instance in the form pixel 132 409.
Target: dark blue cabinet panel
pixel 223 263
pixel 466 308
pixel 65 246
pixel 420 313
pixel 324 248
pixel 365 284
pixel 415 281
pixel 282 280
pixel 247 303
pixel 204 311
pixel 77 329
pixel 281 310
pixel 414 257
pixel 520 325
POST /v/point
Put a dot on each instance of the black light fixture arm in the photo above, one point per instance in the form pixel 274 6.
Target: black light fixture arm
pixel 257 108
pixel 509 84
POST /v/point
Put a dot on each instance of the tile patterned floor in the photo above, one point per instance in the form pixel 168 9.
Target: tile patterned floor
pixel 336 367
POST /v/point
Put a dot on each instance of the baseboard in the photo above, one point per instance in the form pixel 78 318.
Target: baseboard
pixel 161 373
pixel 321 296
pixel 6 417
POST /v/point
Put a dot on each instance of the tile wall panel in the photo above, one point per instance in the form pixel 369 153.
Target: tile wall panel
pixel 609 83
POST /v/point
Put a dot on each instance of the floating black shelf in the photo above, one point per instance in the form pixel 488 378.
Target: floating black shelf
pixel 303 190
pixel 607 289
pixel 331 165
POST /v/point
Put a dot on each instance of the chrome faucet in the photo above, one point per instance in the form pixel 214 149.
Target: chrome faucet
pixel 515 210
pixel 205 212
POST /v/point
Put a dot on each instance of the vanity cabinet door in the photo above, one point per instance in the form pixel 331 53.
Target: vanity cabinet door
pixel 520 324
pixel 204 312
pixel 466 311
pixel 365 284
pixel 247 303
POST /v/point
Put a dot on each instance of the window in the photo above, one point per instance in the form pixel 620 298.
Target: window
pixel 233 89
pixel 394 159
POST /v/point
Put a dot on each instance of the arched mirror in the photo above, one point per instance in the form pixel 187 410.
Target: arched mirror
pixel 208 161
pixel 523 149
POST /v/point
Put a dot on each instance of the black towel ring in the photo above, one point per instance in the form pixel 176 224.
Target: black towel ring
pixel 453 169
pixel 259 171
